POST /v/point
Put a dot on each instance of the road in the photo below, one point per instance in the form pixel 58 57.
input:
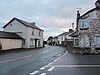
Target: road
pixel 72 64
pixel 27 61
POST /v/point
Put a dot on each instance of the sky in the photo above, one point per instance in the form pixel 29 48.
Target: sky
pixel 53 16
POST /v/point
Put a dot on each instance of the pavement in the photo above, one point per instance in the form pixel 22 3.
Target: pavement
pixel 72 64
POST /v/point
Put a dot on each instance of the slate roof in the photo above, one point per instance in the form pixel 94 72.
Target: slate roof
pixel 32 24
pixel 9 35
pixel 90 11
pixel 74 34
pixel 65 33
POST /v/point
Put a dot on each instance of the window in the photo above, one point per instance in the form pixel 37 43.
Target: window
pixel 31 42
pixel 39 43
pixel 39 33
pixel 33 32
pixel 84 24
pixel 98 41
pixel 76 42
pixel 23 42
pixel 10 25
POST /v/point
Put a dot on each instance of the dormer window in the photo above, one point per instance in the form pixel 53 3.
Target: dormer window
pixel 84 24
pixel 97 3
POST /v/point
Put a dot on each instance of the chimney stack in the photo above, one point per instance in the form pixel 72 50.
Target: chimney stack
pixel 97 4
pixel 77 20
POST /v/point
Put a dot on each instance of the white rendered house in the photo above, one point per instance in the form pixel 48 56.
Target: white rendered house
pixel 31 34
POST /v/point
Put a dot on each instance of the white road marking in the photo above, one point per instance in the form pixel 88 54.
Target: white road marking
pixel 15 59
pixel 42 68
pixel 52 68
pixel 33 73
pixel 75 66
pixel 50 63
pixel 43 74
pixel 58 58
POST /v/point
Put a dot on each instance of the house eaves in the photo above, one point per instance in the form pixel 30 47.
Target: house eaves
pixel 90 11
pixel 32 25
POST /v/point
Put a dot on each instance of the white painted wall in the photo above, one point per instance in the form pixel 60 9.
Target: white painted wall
pixel 35 36
pixel 18 28
pixel 63 37
pixel 59 39
pixel 10 43
pixel 25 32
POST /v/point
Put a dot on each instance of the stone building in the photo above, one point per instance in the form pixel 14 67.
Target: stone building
pixel 87 33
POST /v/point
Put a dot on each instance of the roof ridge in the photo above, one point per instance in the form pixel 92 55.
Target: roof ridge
pixel 24 23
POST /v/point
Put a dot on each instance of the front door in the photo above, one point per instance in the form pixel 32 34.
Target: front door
pixel 35 42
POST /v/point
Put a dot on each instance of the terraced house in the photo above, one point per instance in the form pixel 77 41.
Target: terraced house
pixel 31 36
pixel 87 33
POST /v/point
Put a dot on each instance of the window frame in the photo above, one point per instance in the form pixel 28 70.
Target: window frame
pixel 84 24
pixel 33 32
pixel 39 33
pixel 39 44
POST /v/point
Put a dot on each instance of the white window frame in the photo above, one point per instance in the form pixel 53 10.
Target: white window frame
pixel 97 41
pixel 31 42
pixel 39 33
pixel 84 23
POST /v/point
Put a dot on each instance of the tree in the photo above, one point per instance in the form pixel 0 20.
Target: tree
pixel 50 40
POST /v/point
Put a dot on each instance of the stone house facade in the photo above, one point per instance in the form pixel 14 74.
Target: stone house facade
pixel 87 33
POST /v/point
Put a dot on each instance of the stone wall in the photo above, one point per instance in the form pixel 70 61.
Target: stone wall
pixel 94 27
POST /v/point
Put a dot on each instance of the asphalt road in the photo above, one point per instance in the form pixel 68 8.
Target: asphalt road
pixel 50 60
pixel 27 61
pixel 72 64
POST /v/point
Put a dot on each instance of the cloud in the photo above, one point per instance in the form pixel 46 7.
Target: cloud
pixel 50 15
pixel 56 22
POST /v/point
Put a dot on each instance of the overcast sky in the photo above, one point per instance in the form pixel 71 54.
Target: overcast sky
pixel 53 16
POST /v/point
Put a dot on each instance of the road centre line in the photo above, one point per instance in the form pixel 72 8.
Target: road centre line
pixel 52 68
pixel 58 58
pixel 35 72
pixel 15 59
pixel 43 74
pixel 44 67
